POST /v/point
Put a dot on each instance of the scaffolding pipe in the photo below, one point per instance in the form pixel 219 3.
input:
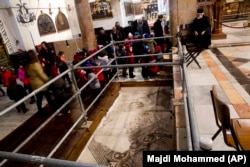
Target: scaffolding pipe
pixel 33 159
pixel 144 55
pixel 133 65
pixel 78 92
pixel 142 39
pixel 193 128
pixel 181 55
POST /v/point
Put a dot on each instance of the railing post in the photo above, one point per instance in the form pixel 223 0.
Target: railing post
pixel 191 126
pixel 33 159
pixel 78 92
pixel 115 56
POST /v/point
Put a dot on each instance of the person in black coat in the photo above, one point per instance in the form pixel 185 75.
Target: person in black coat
pixel 60 91
pixel 120 31
pixel 47 57
pixel 104 39
pixel 16 92
pixel 141 26
pixel 158 31
pixel 62 66
pixel 201 30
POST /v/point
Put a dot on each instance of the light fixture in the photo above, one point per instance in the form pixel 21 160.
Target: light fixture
pixel 17 42
pixel 67 44
pixel 50 12
pixel 68 7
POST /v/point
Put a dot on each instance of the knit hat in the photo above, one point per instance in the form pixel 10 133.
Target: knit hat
pixel 130 35
pixel 146 48
pixel 200 10
pixel 137 34
pixel 160 16
pixel 157 49
pixel 54 71
pixel 147 35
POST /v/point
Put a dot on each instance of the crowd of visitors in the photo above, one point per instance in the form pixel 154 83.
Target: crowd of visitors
pixel 46 64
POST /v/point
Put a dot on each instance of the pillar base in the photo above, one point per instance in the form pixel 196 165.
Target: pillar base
pixel 219 36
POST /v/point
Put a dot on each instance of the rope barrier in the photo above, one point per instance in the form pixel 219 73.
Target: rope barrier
pixel 230 26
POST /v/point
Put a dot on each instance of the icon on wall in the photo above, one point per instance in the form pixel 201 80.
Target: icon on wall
pixel 45 24
pixel 61 21
pixel 101 9
pixel 23 14
pixel 128 6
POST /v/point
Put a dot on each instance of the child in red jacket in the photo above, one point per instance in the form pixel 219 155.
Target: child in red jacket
pixel 131 60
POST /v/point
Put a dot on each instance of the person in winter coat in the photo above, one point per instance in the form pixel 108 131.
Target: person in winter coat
pixel 158 31
pixel 151 43
pixel 62 66
pixel 47 57
pixel 131 60
pixel 140 25
pixel 152 70
pixel 38 78
pixel 6 74
pixel 95 84
pixel 159 57
pixel 59 90
pixel 138 46
pixel 100 75
pixel 16 92
pixel 25 79
pixel 122 53
pixel 104 60
pixel 81 79
pixel 201 30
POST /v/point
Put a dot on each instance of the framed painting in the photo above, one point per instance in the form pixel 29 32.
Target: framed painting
pixel 45 24
pixel 101 9
pixel 128 8
pixel 138 8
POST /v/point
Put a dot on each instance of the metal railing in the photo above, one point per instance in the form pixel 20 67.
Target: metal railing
pixel 43 161
pixel 191 124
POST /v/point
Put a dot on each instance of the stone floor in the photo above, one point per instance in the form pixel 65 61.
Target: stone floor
pixel 13 119
pixel 227 66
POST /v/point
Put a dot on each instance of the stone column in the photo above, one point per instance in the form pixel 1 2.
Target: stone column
pixel 181 12
pixel 218 9
pixel 86 24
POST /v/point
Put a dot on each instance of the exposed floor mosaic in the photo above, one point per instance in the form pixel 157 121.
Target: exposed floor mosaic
pixel 140 119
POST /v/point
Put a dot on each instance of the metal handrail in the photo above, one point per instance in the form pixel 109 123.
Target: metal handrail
pixel 43 160
pixel 191 123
